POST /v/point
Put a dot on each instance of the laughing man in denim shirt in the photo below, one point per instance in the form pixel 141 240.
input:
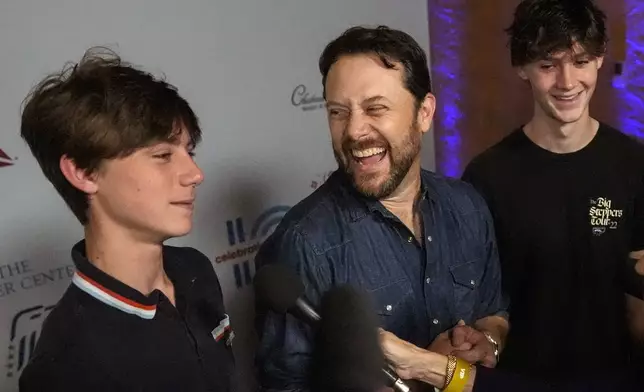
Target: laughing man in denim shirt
pixel 421 244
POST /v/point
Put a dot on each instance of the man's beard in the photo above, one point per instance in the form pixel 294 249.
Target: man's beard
pixel 401 159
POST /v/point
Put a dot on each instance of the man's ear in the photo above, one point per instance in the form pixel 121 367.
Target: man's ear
pixel 522 74
pixel 426 112
pixel 80 178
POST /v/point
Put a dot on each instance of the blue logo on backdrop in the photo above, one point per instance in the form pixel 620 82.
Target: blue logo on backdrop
pixel 24 333
pixel 244 245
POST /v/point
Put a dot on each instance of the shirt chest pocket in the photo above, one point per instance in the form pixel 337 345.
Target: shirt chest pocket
pixel 393 304
pixel 466 279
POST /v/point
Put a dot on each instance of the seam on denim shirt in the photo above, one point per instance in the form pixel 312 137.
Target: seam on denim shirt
pixel 320 252
pixel 467 201
pixel 403 279
pixel 458 209
pixel 467 261
pixel 317 249
pixel 299 231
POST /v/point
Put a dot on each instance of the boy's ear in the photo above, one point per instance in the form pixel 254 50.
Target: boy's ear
pixel 78 177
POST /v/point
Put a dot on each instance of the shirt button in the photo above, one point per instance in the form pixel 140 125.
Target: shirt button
pixel 472 282
pixel 388 307
pixel 428 280
pixel 410 239
pixel 429 238
pixel 435 321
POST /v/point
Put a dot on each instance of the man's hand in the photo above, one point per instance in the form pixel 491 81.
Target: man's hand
pixel 419 368
pixel 639 256
pixel 443 344
pixel 481 350
pixel 401 355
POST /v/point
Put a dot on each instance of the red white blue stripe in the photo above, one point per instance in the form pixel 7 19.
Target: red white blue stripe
pixel 111 298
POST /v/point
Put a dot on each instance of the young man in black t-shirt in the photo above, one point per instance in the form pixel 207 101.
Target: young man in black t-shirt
pixel 117 144
pixel 567 196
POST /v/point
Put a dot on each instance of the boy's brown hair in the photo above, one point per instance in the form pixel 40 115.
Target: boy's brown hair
pixel 98 109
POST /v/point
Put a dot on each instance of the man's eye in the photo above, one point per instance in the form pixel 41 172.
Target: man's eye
pixel 376 109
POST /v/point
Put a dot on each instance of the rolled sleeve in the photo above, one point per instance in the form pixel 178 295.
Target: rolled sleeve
pixel 284 354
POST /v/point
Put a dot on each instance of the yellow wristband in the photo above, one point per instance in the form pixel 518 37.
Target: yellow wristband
pixel 461 375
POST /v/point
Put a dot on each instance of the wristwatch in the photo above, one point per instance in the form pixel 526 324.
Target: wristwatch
pixel 494 343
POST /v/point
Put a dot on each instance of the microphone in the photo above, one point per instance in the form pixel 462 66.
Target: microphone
pixel 281 290
pixel 278 288
pixel 347 344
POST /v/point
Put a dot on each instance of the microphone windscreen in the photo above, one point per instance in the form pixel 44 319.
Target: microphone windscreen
pixel 277 287
pixel 347 354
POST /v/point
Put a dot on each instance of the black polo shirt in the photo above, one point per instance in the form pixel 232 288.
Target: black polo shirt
pixel 105 336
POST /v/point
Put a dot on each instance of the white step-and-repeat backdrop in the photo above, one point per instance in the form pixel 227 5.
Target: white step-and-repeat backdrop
pixel 249 69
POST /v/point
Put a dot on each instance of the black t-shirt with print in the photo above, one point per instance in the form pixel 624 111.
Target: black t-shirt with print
pixel 565 224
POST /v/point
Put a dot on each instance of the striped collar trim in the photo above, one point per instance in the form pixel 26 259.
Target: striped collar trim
pixel 111 298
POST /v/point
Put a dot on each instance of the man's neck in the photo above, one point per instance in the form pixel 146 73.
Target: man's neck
pixel 136 263
pixel 559 138
pixel 403 200
pixel 404 197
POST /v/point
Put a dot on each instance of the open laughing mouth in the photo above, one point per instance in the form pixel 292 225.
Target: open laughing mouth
pixel 368 157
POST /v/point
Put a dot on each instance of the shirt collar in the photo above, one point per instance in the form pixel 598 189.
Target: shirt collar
pixel 359 206
pixel 115 293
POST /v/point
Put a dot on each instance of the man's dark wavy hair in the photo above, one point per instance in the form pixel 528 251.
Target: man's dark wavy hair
pixel 391 46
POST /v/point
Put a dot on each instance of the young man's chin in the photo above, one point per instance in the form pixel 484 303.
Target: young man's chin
pixel 175 231
pixel 180 232
pixel 566 116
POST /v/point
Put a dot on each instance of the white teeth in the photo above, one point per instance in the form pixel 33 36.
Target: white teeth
pixel 368 152
pixel 568 97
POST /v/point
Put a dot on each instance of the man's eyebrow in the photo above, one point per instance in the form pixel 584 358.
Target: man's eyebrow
pixel 375 98
pixel 372 99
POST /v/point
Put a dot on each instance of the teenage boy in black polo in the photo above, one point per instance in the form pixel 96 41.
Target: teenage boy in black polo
pixel 117 144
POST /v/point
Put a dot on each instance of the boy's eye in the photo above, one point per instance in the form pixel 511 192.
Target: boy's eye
pixel 165 155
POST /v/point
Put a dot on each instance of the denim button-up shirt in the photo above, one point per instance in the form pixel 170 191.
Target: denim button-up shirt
pixel 420 288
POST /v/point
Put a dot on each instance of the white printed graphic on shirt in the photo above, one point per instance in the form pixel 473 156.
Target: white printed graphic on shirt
pixel 603 216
